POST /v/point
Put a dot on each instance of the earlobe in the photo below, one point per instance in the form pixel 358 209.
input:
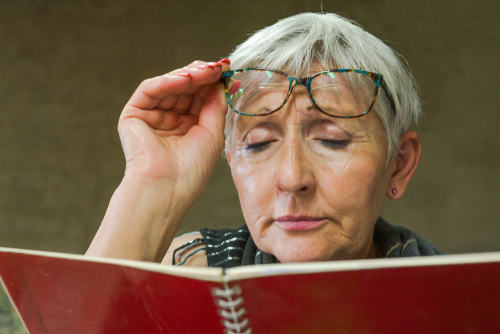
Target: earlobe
pixel 405 164
pixel 228 156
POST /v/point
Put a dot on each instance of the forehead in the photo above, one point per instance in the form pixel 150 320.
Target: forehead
pixel 290 115
pixel 299 108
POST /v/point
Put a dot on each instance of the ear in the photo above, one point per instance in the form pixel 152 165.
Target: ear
pixel 228 156
pixel 404 165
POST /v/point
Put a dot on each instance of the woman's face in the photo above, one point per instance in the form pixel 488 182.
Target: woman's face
pixel 311 186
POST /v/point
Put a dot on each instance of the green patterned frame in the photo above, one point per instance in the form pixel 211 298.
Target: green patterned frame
pixel 376 77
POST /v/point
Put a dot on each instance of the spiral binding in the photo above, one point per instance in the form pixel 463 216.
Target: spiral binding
pixel 231 310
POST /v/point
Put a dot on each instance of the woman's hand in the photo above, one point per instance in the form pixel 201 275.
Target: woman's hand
pixel 172 133
pixel 172 129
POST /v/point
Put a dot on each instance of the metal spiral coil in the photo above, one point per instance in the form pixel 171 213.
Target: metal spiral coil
pixel 231 310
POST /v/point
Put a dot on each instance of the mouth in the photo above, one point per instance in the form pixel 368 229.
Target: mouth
pixel 293 223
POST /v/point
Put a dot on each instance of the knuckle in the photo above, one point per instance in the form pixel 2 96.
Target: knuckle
pixel 144 82
pixel 196 63
pixel 120 127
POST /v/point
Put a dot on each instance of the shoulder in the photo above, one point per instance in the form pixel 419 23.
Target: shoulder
pixel 189 250
pixel 399 241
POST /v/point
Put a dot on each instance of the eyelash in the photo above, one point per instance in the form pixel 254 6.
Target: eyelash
pixel 332 144
pixel 258 147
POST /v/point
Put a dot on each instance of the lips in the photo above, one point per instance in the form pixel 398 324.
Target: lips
pixel 299 222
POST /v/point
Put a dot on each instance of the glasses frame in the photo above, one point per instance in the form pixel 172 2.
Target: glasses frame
pixel 376 77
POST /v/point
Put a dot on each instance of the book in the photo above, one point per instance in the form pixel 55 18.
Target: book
pixel 44 292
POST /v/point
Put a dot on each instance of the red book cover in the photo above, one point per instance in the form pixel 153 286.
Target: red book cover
pixel 42 292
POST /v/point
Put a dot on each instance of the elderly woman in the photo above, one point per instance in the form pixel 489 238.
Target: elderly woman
pixel 314 120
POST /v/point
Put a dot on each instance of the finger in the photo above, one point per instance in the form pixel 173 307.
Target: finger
pixel 198 77
pixel 199 63
pixel 195 64
pixel 185 80
pixel 217 73
pixel 184 123
pixel 226 64
pixel 202 76
pixel 167 102
pixel 198 71
pixel 151 91
pixel 157 119
pixel 206 75
pixel 219 68
pixel 199 100
pixel 182 104
pixel 213 113
pixel 193 90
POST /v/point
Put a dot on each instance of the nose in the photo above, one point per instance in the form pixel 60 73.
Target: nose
pixel 294 176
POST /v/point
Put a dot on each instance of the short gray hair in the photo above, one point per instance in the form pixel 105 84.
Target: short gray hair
pixel 295 43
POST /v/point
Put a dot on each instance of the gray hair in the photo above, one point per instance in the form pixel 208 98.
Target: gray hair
pixel 295 43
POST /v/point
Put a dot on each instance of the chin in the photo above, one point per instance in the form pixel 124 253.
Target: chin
pixel 304 251
pixel 299 258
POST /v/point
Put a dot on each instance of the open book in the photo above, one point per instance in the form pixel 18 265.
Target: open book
pixel 42 292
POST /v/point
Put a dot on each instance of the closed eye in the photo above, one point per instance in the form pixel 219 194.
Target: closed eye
pixel 334 144
pixel 258 147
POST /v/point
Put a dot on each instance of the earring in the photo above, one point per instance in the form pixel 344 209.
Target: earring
pixel 394 191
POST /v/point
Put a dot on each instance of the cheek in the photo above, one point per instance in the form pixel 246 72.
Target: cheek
pixel 255 185
pixel 354 184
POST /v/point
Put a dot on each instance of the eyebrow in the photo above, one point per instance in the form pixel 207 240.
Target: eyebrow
pixel 272 125
pixel 276 114
pixel 261 125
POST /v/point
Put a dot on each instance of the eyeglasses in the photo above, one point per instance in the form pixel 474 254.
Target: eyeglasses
pixel 341 93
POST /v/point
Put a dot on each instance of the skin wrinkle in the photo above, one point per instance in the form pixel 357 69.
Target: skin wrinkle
pixel 295 174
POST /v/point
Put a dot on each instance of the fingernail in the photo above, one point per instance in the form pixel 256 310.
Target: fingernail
pixel 225 61
pixel 184 74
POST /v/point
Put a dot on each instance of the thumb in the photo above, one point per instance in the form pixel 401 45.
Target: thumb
pixel 213 113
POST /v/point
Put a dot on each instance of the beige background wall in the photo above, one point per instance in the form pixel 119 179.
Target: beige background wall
pixel 68 67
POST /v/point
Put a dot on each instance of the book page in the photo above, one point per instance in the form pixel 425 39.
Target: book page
pixel 206 274
pixel 10 319
pixel 61 293
pixel 435 294
pixel 246 272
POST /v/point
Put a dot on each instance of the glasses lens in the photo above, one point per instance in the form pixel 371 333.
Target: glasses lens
pixel 343 94
pixel 257 92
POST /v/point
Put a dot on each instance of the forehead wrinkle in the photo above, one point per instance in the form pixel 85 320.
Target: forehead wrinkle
pixel 361 126
pixel 283 118
pixel 243 122
pixel 311 69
